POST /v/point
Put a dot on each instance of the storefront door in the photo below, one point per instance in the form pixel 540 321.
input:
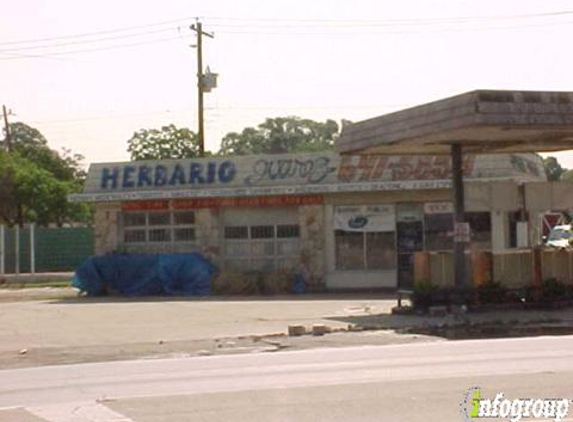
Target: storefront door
pixel 410 239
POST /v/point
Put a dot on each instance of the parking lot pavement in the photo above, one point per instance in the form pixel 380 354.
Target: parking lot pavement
pixel 61 328
pixel 115 327
pixel 100 321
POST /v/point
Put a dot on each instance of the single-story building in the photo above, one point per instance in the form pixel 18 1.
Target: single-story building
pixel 346 221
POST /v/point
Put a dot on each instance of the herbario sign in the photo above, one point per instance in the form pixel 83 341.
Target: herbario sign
pixel 292 174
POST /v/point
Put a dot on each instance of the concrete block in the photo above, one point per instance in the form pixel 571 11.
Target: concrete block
pixel 318 329
pixel 296 330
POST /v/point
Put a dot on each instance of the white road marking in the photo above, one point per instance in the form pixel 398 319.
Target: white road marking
pixel 78 412
pixel 9 408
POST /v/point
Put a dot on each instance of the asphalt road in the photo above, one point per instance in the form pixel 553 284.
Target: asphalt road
pixel 414 382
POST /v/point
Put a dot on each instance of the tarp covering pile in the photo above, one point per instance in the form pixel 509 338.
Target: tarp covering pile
pixel 145 275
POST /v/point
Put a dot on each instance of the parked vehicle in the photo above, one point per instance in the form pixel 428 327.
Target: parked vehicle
pixel 560 237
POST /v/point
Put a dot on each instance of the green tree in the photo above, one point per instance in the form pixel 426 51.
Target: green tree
pixel 36 180
pixel 567 175
pixel 281 135
pixel 167 142
pixel 8 201
pixel 553 169
pixel 29 143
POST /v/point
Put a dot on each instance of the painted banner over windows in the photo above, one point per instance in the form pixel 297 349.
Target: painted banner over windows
pixel 251 201
pixel 291 174
pixel 366 218
pixel 438 208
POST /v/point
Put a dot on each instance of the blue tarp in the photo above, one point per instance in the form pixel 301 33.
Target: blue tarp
pixel 299 285
pixel 145 275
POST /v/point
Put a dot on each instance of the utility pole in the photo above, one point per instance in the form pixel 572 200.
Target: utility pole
pixel 7 129
pixel 20 211
pixel 198 28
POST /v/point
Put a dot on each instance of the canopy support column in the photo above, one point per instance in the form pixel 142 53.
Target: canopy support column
pixel 461 229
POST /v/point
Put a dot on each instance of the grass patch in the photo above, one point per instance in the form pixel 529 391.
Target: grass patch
pixel 36 284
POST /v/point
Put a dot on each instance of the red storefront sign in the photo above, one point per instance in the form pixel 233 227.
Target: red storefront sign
pixel 145 205
pixel 252 201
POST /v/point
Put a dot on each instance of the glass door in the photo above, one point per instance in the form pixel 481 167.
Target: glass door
pixel 409 239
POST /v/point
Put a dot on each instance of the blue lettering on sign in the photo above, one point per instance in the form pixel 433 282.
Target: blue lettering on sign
pixel 128 177
pixel 108 175
pixel 227 171
pixel 195 176
pixel 211 172
pixel 145 175
pixel 160 175
pixel 178 176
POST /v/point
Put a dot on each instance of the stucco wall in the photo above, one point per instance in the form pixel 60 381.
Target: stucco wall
pixel 208 233
pixel 312 232
pixel 106 227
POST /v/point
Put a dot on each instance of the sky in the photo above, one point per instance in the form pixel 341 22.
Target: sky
pixel 89 74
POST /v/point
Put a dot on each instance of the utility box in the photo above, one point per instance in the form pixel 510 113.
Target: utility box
pixel 522 234
pixel 209 80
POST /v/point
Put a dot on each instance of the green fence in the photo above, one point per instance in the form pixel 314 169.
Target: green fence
pixel 55 249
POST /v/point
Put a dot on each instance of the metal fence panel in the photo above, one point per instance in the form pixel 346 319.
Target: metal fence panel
pixel 55 249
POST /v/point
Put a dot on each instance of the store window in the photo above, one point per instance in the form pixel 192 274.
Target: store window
pixel 480 226
pixel 439 234
pixel 365 237
pixel 439 227
pixel 158 227
pixel 262 247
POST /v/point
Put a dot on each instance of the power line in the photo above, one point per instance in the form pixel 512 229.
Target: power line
pixel 413 31
pixel 424 21
pixel 303 107
pixel 113 47
pixel 15 55
pixel 238 108
pixel 110 116
pixel 348 24
pixel 89 41
pixel 90 34
pixel 294 21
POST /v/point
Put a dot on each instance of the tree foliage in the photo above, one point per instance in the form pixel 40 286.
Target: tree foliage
pixel 281 135
pixel 36 180
pixel 553 169
pixel 167 142
pixel 567 175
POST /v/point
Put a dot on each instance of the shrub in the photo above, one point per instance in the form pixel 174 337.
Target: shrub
pixel 491 292
pixel 424 294
pixel 553 290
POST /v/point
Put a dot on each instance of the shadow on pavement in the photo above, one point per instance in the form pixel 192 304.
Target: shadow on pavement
pixel 270 298
pixel 469 326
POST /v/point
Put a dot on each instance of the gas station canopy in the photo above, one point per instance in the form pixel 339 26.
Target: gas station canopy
pixel 479 121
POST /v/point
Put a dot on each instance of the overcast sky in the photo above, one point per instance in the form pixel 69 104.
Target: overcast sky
pixel 88 74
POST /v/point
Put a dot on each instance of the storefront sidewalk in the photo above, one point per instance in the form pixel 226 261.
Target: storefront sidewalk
pixel 388 321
